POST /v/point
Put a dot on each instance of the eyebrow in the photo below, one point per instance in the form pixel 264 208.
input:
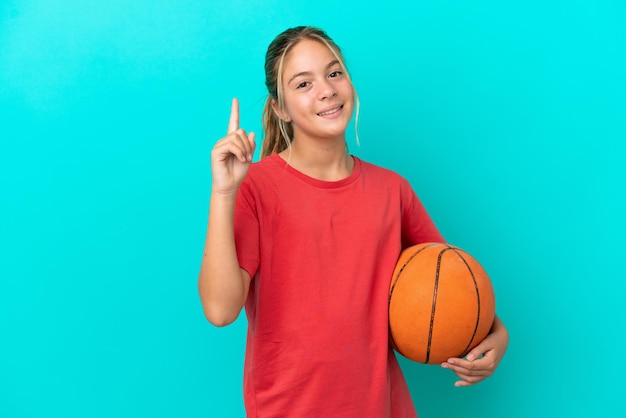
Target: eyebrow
pixel 330 64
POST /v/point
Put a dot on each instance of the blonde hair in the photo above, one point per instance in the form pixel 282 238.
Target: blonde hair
pixel 279 133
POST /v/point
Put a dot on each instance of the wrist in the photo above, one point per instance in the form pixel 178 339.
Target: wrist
pixel 223 195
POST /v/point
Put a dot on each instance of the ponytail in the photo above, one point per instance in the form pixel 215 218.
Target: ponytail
pixel 277 132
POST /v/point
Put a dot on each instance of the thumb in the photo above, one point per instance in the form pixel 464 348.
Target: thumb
pixel 251 138
pixel 476 352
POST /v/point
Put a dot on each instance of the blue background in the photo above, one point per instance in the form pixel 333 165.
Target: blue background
pixel 508 118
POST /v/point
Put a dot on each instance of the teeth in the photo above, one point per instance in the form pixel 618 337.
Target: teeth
pixel 328 112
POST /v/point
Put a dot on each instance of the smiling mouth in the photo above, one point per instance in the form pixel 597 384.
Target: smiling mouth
pixel 331 111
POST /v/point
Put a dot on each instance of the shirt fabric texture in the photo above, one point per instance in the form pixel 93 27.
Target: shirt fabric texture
pixel 321 255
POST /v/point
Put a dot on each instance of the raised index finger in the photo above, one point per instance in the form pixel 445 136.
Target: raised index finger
pixel 233 124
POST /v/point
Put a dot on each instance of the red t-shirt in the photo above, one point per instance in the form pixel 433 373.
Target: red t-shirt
pixel 321 255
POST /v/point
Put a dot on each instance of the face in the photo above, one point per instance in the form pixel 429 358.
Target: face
pixel 318 95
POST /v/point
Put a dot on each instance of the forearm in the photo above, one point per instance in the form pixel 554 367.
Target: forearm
pixel 499 328
pixel 222 284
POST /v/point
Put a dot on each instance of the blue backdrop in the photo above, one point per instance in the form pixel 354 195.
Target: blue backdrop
pixel 508 118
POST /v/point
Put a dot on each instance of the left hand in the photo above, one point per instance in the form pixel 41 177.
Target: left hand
pixel 482 360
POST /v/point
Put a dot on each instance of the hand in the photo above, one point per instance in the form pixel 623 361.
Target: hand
pixel 482 360
pixel 232 155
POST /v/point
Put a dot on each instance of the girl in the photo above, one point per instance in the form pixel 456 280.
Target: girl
pixel 307 240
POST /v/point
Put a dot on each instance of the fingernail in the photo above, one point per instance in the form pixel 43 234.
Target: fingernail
pixel 444 365
pixel 470 357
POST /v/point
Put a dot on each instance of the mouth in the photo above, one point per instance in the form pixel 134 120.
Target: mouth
pixel 330 111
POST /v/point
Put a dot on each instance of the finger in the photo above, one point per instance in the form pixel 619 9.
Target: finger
pixel 464 383
pixel 246 141
pixel 227 150
pixel 480 350
pixel 460 366
pixel 232 145
pixel 469 376
pixel 233 123
pixel 251 139
pixel 468 379
pixel 461 371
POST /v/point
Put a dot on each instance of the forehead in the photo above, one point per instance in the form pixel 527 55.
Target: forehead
pixel 307 55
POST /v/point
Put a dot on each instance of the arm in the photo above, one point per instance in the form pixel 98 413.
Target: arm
pixel 482 361
pixel 222 284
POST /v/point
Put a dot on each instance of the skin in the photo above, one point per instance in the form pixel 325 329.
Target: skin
pixel 319 102
pixel 482 361
pixel 222 284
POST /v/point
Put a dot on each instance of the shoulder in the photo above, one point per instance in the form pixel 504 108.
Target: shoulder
pixel 386 175
pixel 262 170
pixel 263 165
pixel 263 178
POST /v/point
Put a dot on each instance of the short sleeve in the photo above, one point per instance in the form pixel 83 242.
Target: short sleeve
pixel 417 225
pixel 247 228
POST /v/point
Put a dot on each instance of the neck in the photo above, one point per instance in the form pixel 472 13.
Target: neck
pixel 328 161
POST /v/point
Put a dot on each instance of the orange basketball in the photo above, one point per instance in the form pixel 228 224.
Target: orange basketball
pixel 441 303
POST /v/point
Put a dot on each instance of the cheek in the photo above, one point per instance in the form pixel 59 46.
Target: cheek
pixel 295 105
pixel 349 99
pixel 347 90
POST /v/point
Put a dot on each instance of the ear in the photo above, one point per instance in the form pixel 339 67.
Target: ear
pixel 280 113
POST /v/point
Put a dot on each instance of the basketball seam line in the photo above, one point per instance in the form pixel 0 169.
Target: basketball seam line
pixel 395 281
pixel 477 302
pixel 393 285
pixel 432 317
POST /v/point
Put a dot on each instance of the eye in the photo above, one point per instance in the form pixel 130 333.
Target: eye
pixel 336 73
pixel 302 85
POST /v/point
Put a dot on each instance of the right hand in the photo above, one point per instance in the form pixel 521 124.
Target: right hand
pixel 232 155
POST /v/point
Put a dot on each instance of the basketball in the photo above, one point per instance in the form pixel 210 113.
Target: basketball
pixel 441 303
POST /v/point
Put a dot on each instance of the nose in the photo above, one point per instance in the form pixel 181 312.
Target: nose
pixel 327 90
